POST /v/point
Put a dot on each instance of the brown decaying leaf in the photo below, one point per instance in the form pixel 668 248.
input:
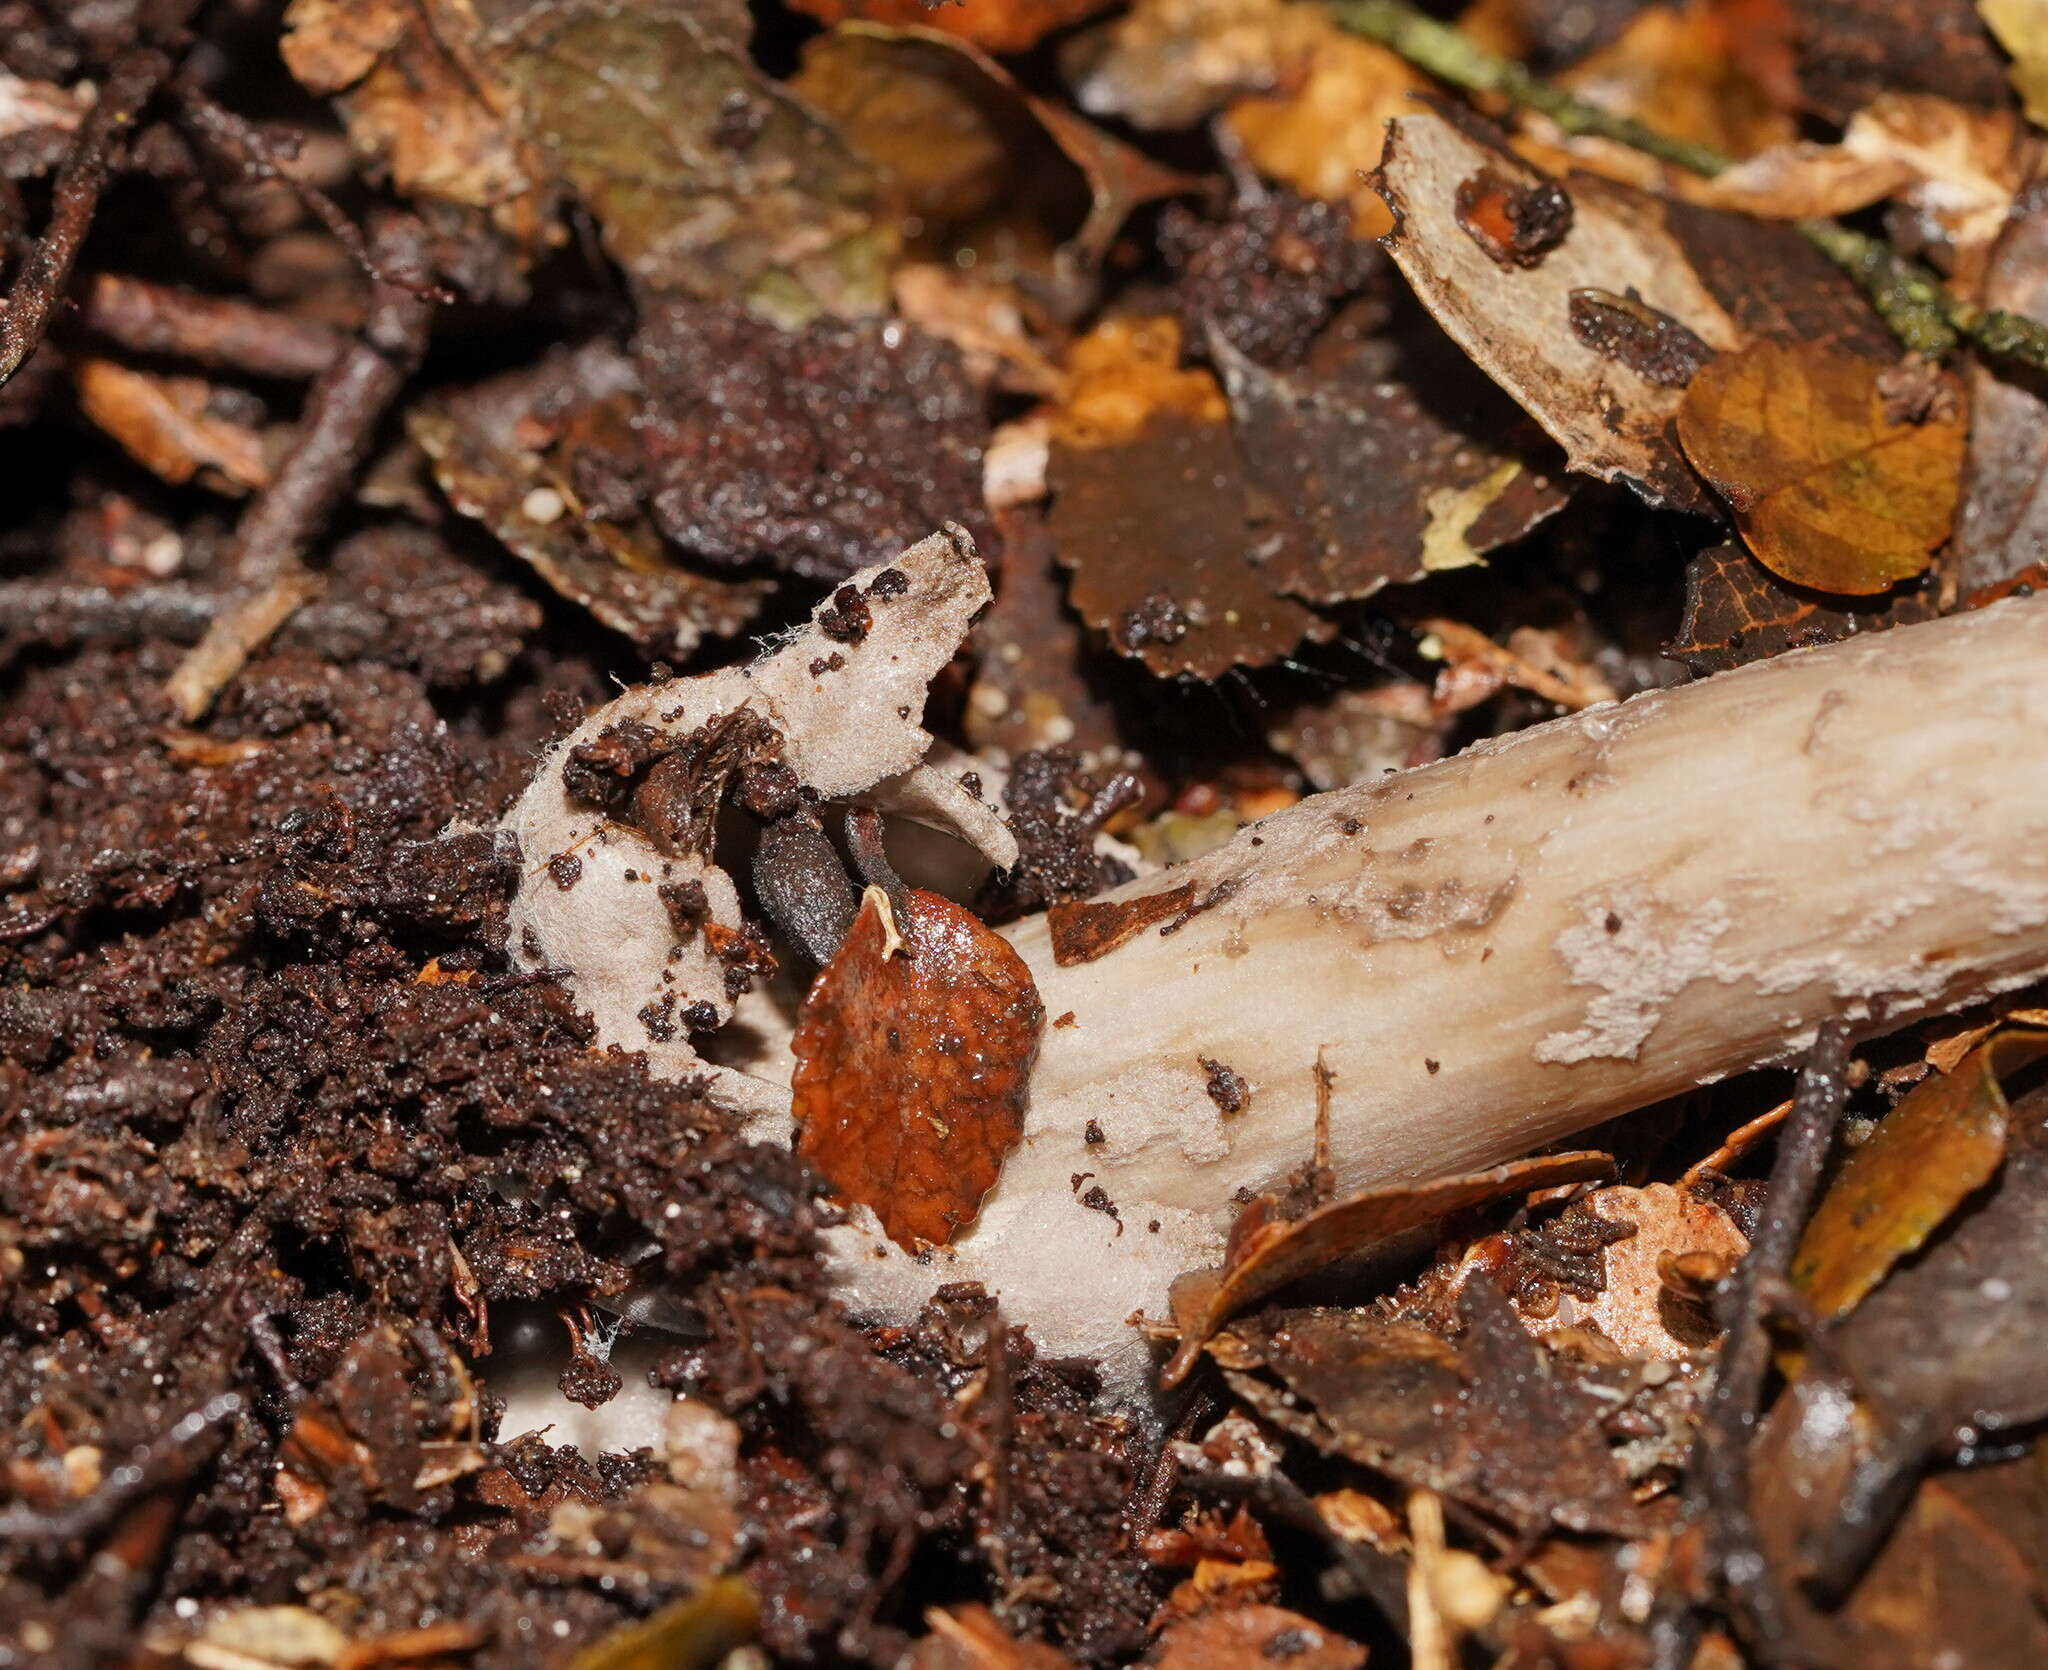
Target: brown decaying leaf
pixel 1738 611
pixel 1827 488
pixel 1952 1584
pixel 1253 1637
pixel 635 105
pixel 1933 1151
pixel 1515 321
pixel 416 91
pixel 1490 1419
pixel 913 1060
pixel 507 452
pixel 984 169
pixel 1265 1253
pixel 1167 561
pixel 1954 1347
pixel 997 25
pixel 1390 455
pixel 166 425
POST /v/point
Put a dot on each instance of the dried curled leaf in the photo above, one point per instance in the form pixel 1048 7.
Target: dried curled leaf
pixel 1265 1253
pixel 1830 486
pixel 913 1055
pixel 418 92
pixel 1957 168
pixel 1609 408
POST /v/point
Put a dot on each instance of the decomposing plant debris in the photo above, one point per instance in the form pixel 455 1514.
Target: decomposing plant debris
pixel 1205 833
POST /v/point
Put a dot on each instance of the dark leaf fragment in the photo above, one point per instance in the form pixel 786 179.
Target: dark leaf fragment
pixel 1489 1419
pixel 1738 611
pixel 546 459
pixel 1266 1252
pixel 816 451
pixel 1388 456
pixel 1168 560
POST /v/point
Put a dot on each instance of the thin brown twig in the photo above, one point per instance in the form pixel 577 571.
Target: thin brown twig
pixel 215 331
pixel 1718 1493
pixel 247 144
pixel 130 84
pixel 343 410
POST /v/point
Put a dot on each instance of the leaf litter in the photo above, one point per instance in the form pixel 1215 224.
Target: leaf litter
pixel 306 1172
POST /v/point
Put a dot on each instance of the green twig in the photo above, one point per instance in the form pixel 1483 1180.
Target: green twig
pixel 1922 313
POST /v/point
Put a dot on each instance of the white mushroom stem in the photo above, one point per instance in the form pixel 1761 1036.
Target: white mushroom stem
pixel 1489 953
pixel 1500 949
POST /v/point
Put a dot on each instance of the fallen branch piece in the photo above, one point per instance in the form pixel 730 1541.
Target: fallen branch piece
pixel 343 409
pixel 131 83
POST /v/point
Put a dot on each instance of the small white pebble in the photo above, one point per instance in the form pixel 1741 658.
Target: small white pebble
pixel 542 505
pixel 1995 1288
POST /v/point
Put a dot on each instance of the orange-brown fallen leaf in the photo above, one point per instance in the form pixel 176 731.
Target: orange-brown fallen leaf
pixel 1121 373
pixel 913 1052
pixel 1679 68
pixel 998 25
pixel 1324 125
pixel 1476 667
pixel 1831 486
pixel 1265 1252
pixel 1940 1145
pixel 166 426
pixel 969 1638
